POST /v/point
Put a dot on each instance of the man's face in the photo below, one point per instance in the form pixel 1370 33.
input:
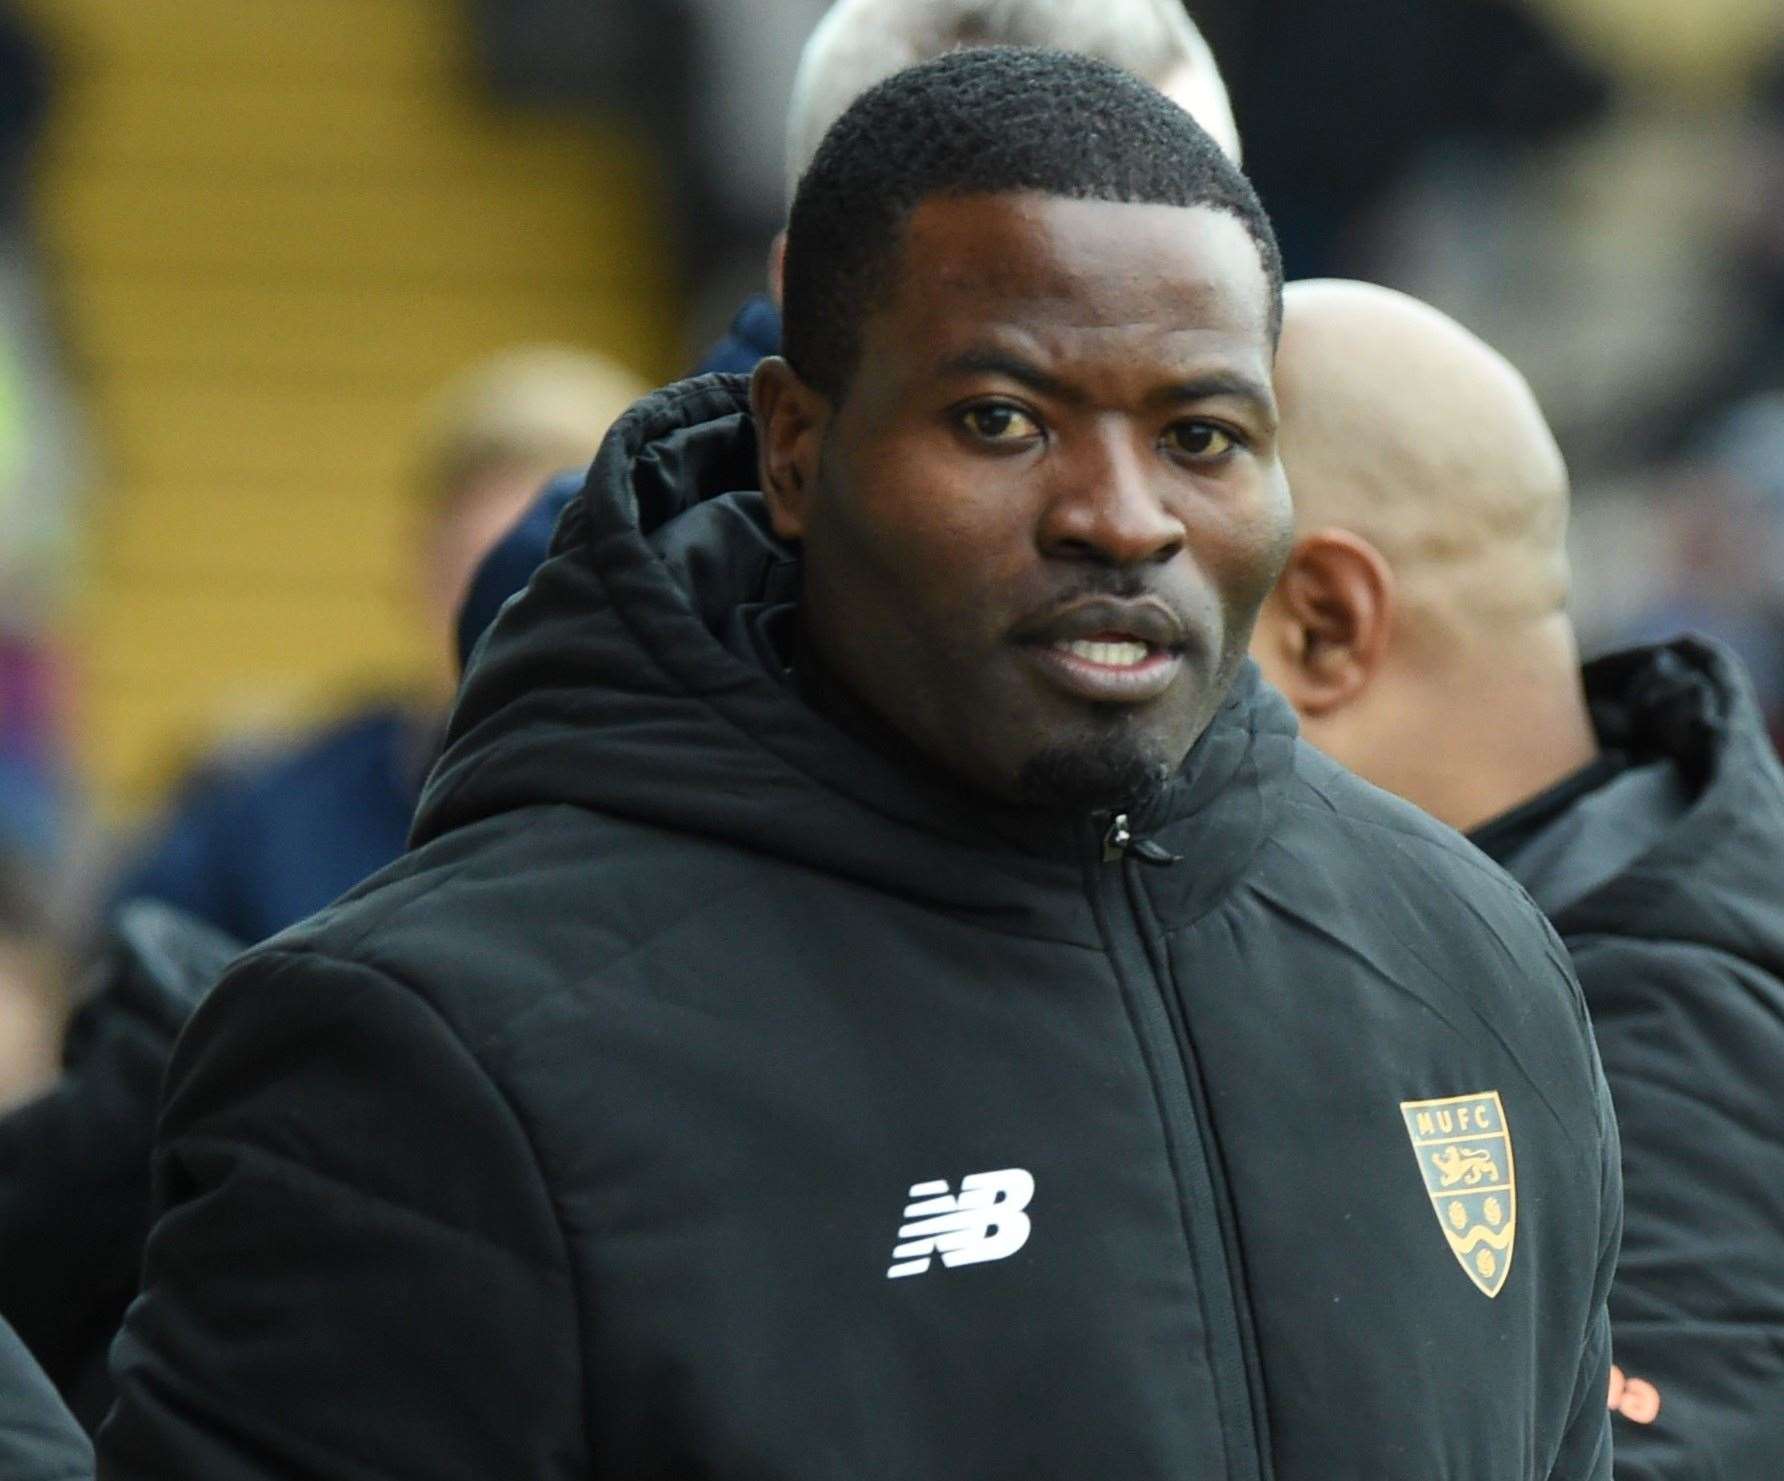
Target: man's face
pixel 1038 526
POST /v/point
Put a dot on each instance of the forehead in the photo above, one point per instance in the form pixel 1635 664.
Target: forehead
pixel 1162 281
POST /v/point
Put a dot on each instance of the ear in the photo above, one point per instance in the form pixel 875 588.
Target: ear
pixel 790 421
pixel 1324 631
pixel 777 267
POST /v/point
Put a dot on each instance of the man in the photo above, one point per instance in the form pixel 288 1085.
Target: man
pixel 32 1003
pixel 862 42
pixel 878 990
pixel 258 841
pixel 1420 629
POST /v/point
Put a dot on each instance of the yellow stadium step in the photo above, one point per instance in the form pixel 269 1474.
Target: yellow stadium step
pixel 173 326
pixel 326 41
pixel 423 230
pixel 273 228
pixel 296 129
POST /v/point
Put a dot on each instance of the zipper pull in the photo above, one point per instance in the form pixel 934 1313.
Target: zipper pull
pixel 1117 839
pixel 1120 840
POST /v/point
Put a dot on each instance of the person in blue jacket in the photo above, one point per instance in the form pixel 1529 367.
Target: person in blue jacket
pixel 260 839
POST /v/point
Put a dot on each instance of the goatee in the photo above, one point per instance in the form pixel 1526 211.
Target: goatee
pixel 1090 775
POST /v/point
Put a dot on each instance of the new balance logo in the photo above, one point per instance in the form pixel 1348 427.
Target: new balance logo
pixel 984 1222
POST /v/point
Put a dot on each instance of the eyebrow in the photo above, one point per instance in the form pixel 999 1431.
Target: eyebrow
pixel 1217 383
pixel 1203 387
pixel 998 362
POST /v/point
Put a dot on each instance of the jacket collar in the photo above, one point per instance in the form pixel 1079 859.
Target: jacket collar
pixel 1710 874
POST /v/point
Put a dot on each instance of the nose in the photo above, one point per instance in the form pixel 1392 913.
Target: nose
pixel 1111 506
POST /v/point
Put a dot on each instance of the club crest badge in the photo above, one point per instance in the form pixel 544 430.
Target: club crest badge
pixel 1463 1145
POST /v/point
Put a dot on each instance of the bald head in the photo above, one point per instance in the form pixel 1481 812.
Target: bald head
pixel 1419 627
pixel 1402 427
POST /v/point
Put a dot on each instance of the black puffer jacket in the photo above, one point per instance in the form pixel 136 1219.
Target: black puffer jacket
pixel 705 1095
pixel 1663 869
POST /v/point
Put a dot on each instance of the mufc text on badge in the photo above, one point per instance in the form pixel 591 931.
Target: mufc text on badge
pixel 1463 1146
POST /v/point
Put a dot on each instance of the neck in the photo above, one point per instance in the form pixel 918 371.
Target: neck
pixel 1504 721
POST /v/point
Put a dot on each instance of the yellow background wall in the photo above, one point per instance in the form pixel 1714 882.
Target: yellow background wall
pixel 272 228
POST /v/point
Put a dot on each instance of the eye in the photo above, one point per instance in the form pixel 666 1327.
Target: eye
pixel 1203 441
pixel 996 421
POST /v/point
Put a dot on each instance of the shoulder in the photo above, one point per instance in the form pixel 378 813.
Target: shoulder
pixel 487 921
pixel 1346 823
pixel 1396 889
pixel 307 1064
pixel 327 1124
pixel 464 910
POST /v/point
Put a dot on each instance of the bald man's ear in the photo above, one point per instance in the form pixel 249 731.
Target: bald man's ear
pixel 1324 630
pixel 790 421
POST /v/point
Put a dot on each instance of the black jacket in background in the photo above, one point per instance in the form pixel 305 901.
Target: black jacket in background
pixel 598 1135
pixel 1666 881
pixel 74 1161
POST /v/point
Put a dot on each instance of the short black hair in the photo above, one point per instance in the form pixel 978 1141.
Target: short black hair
pixel 983 121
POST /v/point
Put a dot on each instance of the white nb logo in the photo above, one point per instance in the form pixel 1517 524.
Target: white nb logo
pixel 985 1222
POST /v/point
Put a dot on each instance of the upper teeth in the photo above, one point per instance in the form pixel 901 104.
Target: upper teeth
pixel 1114 655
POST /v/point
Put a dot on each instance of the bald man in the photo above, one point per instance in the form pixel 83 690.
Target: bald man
pixel 1420 629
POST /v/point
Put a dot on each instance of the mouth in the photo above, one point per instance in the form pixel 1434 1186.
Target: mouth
pixel 1107 651
pixel 1109 668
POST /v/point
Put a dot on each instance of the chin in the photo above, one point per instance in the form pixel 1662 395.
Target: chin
pixel 1089 775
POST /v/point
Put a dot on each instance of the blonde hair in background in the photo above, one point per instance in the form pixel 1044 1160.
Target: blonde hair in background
pixel 535 406
pixel 862 42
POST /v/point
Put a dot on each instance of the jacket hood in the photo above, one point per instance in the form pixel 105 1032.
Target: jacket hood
pixel 1713 876
pixel 622 680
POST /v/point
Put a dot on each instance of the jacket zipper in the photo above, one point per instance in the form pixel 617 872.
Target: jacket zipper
pixel 1117 896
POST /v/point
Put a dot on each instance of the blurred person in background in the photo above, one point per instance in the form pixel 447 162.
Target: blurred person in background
pixel 861 42
pixel 32 1004
pixel 1420 630
pixel 74 1160
pixel 1722 507
pixel 37 476
pixel 255 843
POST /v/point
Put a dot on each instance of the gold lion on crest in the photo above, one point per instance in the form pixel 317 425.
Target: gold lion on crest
pixel 1465 1166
